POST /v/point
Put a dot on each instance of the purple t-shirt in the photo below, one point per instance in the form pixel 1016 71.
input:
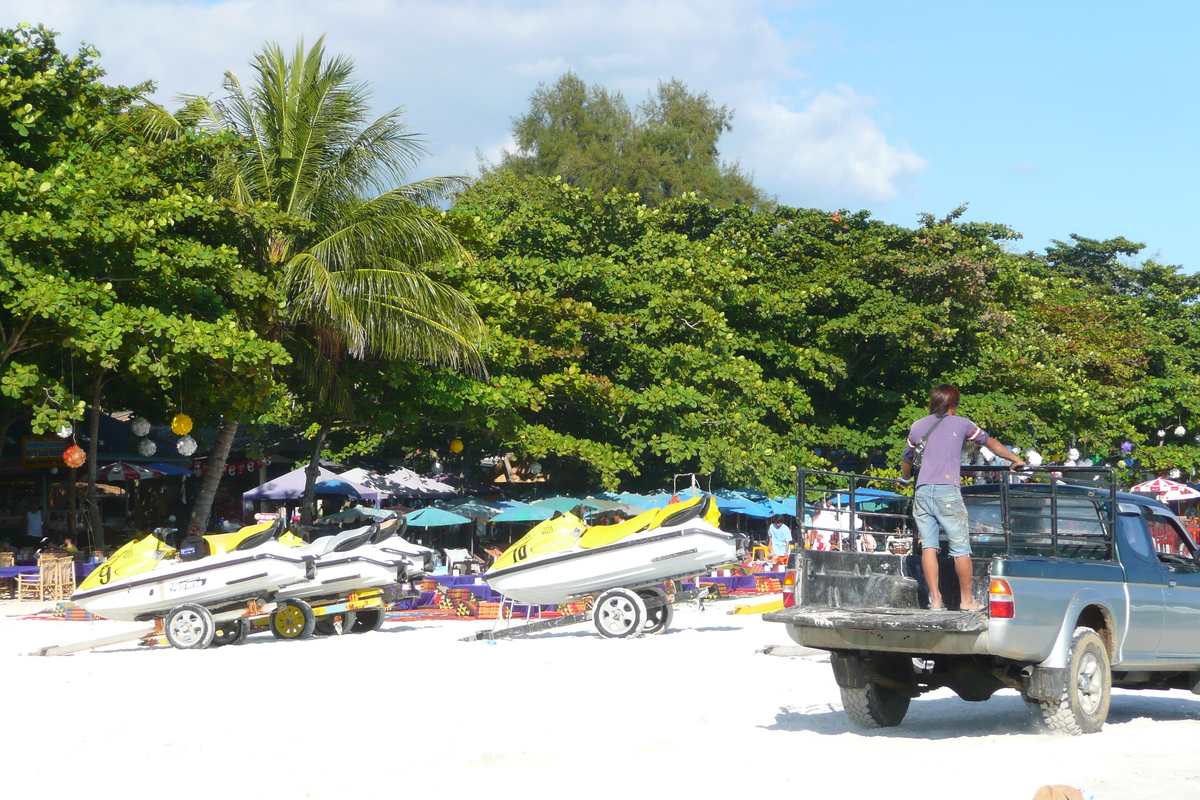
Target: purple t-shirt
pixel 943 451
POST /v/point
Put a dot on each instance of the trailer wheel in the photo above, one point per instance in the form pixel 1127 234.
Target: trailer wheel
pixel 335 624
pixel 1083 706
pixel 369 619
pixel 293 620
pixel 619 613
pixel 189 627
pixel 232 631
pixel 657 619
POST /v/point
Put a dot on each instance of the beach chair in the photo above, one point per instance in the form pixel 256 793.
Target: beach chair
pixel 463 561
pixel 64 585
pixel 41 585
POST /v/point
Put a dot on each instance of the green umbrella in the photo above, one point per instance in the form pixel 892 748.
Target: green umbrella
pixel 433 518
pixel 563 504
pixel 524 513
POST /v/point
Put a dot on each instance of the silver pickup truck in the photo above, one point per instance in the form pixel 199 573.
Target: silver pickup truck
pixel 1086 588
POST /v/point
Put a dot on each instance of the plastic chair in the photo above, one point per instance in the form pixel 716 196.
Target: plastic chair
pixel 760 552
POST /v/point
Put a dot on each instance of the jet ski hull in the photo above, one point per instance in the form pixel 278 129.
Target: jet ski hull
pixel 209 582
pixel 348 572
pixel 656 556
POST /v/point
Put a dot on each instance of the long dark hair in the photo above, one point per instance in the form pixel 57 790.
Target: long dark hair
pixel 942 398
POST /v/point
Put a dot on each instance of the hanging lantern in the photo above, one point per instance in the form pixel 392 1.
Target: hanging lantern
pixel 140 426
pixel 1073 454
pixel 147 447
pixel 1175 473
pixel 74 456
pixel 535 468
pixel 1034 458
pixel 65 431
pixel 1162 434
pixel 1126 447
pixel 456 446
pixel 181 425
pixel 1180 430
pixel 186 445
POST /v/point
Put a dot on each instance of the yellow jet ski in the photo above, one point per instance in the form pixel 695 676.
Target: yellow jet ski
pixel 562 558
pixel 145 579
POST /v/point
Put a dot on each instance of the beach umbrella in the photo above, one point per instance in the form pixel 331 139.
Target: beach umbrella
pixel 164 468
pixel 120 471
pixel 470 507
pixel 353 515
pixel 563 504
pixel 336 487
pixel 1184 492
pixel 1158 486
pixel 740 505
pixel 660 500
pixel 524 513
pixel 434 518
pixel 373 480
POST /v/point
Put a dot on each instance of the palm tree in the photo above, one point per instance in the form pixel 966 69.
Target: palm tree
pixel 350 269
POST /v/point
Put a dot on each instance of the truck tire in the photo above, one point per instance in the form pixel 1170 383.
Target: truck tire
pixel 1083 706
pixel 875 706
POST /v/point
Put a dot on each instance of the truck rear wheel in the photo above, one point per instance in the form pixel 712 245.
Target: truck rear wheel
pixel 1087 692
pixel 875 705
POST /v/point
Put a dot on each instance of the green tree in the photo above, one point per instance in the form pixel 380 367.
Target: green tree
pixel 663 149
pixel 114 260
pixel 351 274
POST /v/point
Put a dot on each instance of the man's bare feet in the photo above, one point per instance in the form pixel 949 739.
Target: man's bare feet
pixel 971 605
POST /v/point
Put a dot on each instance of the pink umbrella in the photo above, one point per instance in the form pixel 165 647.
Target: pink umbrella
pixel 120 471
pixel 1160 486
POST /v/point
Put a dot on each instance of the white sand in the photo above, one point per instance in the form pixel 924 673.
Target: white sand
pixel 410 711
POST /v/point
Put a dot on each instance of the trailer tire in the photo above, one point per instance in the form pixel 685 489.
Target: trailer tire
pixel 657 619
pixel 368 619
pixel 1087 692
pixel 232 631
pixel 330 625
pixel 189 627
pixel 293 620
pixel 619 613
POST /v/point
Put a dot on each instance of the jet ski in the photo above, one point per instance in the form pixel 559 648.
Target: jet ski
pixel 562 558
pixel 351 561
pixel 145 579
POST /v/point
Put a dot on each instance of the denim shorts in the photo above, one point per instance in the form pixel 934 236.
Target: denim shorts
pixel 938 509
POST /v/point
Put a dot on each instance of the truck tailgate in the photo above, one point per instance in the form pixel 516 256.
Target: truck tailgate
pixel 890 629
pixel 874 619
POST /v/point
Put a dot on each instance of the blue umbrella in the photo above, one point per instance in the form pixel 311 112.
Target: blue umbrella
pixel 740 505
pixel 524 513
pixel 336 486
pixel 433 518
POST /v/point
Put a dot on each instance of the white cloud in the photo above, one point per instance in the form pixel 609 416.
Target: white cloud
pixel 830 151
pixel 463 68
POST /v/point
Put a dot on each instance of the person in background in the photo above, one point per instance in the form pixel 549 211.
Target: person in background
pixel 69 545
pixel 33 523
pixel 193 545
pixel 937 503
pixel 781 537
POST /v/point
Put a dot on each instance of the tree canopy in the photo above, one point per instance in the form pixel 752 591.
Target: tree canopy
pixel 661 149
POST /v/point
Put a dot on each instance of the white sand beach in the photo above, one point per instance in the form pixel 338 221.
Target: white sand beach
pixel 411 711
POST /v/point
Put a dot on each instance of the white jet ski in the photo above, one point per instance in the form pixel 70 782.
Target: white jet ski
pixel 561 558
pixel 351 561
pixel 145 579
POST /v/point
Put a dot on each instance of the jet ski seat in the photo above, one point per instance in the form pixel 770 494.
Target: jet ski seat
pixel 256 540
pixel 355 541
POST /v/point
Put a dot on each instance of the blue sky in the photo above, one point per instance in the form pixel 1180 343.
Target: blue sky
pixel 1051 117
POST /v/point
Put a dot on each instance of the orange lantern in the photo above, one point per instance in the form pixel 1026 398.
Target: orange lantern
pixel 74 456
pixel 456 446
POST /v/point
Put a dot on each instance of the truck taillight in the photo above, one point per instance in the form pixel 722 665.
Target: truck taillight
pixel 1000 600
pixel 789 589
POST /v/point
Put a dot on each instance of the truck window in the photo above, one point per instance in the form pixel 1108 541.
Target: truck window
pixel 1080 526
pixel 1136 536
pixel 1169 539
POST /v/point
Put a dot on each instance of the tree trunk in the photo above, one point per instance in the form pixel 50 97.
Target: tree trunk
pixel 309 505
pixel 93 498
pixel 212 476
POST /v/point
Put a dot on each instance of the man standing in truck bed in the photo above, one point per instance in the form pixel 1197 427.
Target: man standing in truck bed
pixel 938 504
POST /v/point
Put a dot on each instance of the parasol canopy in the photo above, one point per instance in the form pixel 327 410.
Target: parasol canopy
pixel 120 471
pixel 1159 486
pixel 563 504
pixel 434 518
pixel 524 513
